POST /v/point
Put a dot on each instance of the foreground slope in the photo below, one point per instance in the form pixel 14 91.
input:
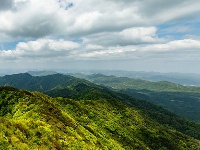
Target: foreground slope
pixel 37 121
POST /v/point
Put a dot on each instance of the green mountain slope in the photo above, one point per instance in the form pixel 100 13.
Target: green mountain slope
pixel 69 87
pixel 87 92
pixel 37 121
pixel 182 100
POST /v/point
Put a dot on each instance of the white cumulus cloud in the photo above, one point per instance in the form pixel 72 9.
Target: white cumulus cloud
pixel 41 48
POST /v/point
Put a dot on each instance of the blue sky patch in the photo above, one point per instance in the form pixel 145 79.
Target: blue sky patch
pixel 9 45
pixel 178 30
pixel 69 5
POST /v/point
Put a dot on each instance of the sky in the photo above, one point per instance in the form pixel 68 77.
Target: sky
pixel 135 35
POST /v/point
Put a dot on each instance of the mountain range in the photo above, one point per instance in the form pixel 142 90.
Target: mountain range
pixel 78 114
pixel 189 79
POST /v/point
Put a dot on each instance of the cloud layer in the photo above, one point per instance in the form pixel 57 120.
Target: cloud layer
pixel 40 18
pixel 66 30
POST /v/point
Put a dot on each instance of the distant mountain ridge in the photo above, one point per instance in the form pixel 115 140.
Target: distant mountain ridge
pixel 125 82
pixel 189 79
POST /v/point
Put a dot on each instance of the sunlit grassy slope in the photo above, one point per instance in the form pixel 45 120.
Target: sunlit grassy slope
pixel 37 121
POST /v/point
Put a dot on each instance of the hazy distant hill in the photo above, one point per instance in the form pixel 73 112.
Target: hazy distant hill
pixel 179 78
pixel 32 120
pixel 41 73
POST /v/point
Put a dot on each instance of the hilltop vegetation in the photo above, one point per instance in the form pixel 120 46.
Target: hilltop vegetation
pixel 32 120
